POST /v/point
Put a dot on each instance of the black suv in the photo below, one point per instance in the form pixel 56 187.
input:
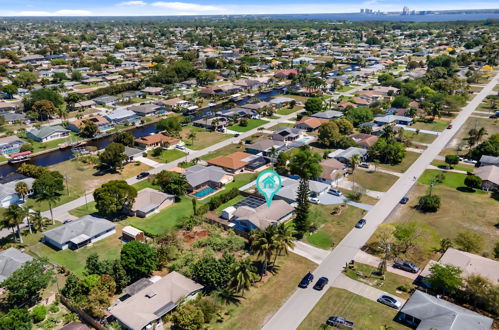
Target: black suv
pixel 142 175
pixel 406 265
pixel 306 280
pixel 321 283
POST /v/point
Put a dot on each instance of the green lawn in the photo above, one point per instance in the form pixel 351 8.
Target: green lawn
pixel 262 300
pixel 332 228
pixel 42 146
pixel 409 159
pixel 288 111
pixel 367 274
pixel 459 167
pixel 281 125
pixel 203 139
pixel 145 184
pixel 452 180
pixel 365 313
pixel 84 210
pixel 167 155
pixel 344 89
pixel 227 150
pixel 3 159
pixel 437 125
pixel 108 249
pixel 252 123
pixel 421 137
pixel 377 181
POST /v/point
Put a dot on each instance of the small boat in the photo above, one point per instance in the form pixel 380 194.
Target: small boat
pixel 19 157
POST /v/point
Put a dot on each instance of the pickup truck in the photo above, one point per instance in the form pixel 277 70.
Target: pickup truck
pixel 339 322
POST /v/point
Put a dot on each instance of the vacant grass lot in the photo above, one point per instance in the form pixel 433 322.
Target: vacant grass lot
pixel 437 125
pixel 281 125
pixel 377 181
pixel 370 277
pixel 288 111
pixel 203 139
pixel 167 156
pixel 332 228
pixel 459 167
pixel 252 123
pixel 409 159
pixel 265 298
pixel 421 137
pixel 366 314
pixel 227 150
pixel 459 211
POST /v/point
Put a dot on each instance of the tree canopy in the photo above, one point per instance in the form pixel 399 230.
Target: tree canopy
pixel 114 198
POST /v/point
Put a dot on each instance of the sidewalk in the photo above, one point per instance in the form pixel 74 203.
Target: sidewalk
pixel 310 252
pixel 350 185
pixel 148 161
pixel 368 259
pixel 361 289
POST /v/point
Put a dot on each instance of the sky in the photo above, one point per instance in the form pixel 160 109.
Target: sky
pixel 221 7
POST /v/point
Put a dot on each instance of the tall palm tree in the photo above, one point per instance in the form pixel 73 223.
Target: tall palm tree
pixel 244 274
pixel 22 189
pixel 228 296
pixel 37 221
pixel 354 161
pixel 480 134
pixel 263 243
pixel 51 197
pixel 284 239
pixel 14 216
pixel 192 137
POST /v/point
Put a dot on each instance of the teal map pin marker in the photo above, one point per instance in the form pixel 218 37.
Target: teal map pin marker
pixel 268 184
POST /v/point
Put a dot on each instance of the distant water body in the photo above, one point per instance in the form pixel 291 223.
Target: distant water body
pixel 410 18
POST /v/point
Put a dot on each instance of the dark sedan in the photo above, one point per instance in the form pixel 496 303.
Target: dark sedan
pixel 142 175
pixel 361 223
pixel 321 283
pixel 404 200
pixel 307 279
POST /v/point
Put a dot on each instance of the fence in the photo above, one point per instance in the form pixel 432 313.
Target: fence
pixel 83 316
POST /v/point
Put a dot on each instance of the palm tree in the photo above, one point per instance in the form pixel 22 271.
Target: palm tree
pixel 244 274
pixel 285 239
pixel 480 134
pixel 228 296
pixel 263 243
pixel 354 161
pixel 50 197
pixel 14 216
pixel 37 221
pixel 22 190
pixel 388 133
pixel 192 137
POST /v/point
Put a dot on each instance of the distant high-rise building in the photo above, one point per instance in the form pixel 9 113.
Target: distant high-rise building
pixel 362 11
pixel 406 11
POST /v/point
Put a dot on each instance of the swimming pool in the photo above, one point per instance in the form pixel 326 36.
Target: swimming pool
pixel 204 192
pixel 305 139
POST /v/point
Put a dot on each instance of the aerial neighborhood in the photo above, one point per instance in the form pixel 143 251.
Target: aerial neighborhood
pixel 131 152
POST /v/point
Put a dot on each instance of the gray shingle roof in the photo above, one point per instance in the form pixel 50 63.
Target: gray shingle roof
pixel 198 174
pixel 45 131
pixel 87 225
pixel 11 260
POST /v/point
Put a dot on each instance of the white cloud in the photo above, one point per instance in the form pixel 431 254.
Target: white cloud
pixel 132 3
pixel 62 12
pixel 33 13
pixel 185 6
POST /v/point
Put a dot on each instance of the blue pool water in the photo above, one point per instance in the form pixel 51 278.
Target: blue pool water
pixel 204 192
pixel 304 139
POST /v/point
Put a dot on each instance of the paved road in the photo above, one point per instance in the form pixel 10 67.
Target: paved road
pixel 299 305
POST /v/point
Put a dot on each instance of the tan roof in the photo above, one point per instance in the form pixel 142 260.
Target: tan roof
pixel 329 166
pixel 312 122
pixel 234 161
pixel 488 173
pixel 148 198
pixel 154 301
pixel 264 216
pixel 156 138
pixel 364 140
pixel 96 119
pixel 469 264
pixel 171 101
pixel 359 100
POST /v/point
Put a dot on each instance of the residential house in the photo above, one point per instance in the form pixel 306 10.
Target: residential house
pixel 287 134
pixel 78 233
pixel 238 161
pixel 266 147
pixel 289 189
pixel 11 259
pixel 48 133
pixel 214 123
pixel 280 102
pixel 174 104
pixel 385 120
pixel 102 123
pixel 144 307
pixel 284 74
pixel 344 156
pixel 14 117
pixel 122 116
pixel 365 141
pixel 329 114
pixel 425 312
pixel 468 263
pixel 257 106
pixel 310 123
pixel 201 176
pixel 149 201
pixel 157 140
pixel 153 90
pixel 247 218
pixel 132 154
pixel 490 177
pixel 8 194
pixel 345 104
pixel 488 160
pixel 148 109
pixel 332 169
pixel 84 104
pixel 106 100
pixel 8 106
pixel 10 145
pixel 238 113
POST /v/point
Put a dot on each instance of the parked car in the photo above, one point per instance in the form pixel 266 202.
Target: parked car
pixel 361 223
pixel 404 200
pixel 449 127
pixel 406 265
pixel 307 279
pixel 179 147
pixel 493 116
pixel 321 283
pixel 340 322
pixel 389 301
pixel 335 192
pixel 236 135
pixel 313 200
pixel 364 165
pixel 142 175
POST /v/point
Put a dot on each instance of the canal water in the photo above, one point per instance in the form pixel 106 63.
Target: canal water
pixel 61 155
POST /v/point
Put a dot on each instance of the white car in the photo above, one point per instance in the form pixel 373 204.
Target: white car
pixel 389 301
pixel 313 200
pixel 179 147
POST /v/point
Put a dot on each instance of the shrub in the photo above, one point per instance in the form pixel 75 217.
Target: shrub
pixel 54 308
pixel 403 288
pixel 38 313
pixel 429 203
